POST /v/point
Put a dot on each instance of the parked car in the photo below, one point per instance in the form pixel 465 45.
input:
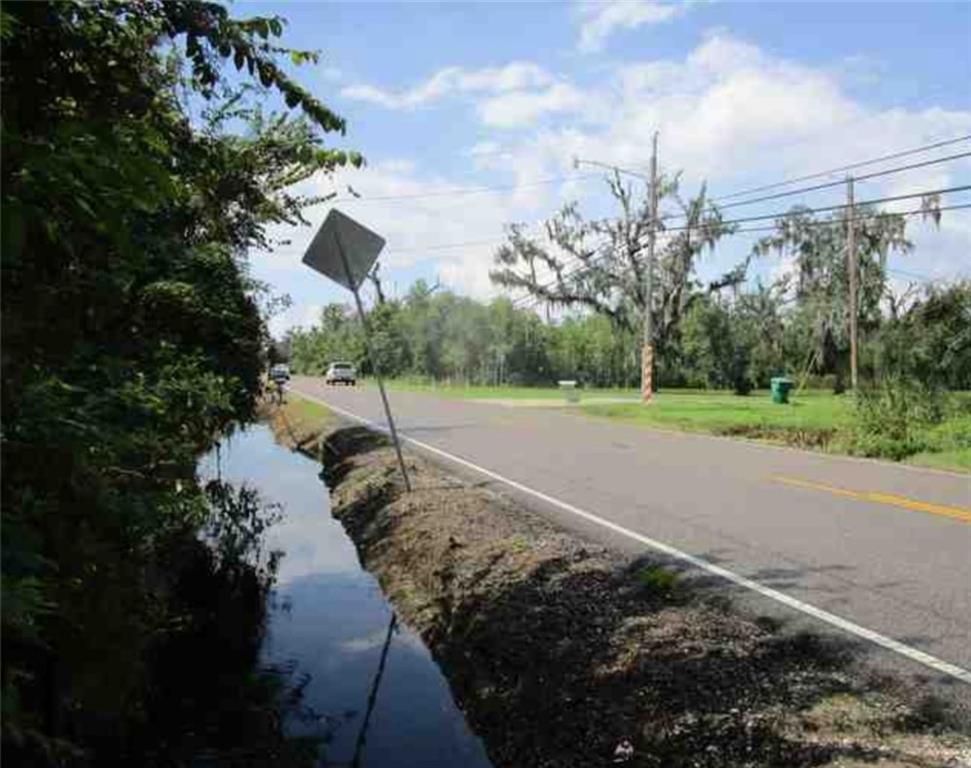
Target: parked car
pixel 341 373
pixel 280 372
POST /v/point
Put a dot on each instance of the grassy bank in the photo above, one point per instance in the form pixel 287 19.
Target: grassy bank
pixel 817 420
pixel 814 419
pixel 725 413
pixel 299 423
pixel 479 392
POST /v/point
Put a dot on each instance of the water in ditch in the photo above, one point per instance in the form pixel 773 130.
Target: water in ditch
pixel 370 689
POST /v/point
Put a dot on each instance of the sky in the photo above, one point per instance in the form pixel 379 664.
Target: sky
pixel 445 99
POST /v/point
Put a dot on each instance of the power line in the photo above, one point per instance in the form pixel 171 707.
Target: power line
pixel 844 168
pixel 471 243
pixel 866 217
pixel 481 190
pixel 905 273
pixel 577 161
pixel 827 208
pixel 840 182
pixel 496 241
pixel 474 243
pixel 448 246
pixel 923 278
pixel 528 301
pixel 582 267
pixel 468 190
pixel 586 177
pixel 790 193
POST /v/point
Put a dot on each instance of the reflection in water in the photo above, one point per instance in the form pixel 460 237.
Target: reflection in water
pixel 369 686
pixel 373 695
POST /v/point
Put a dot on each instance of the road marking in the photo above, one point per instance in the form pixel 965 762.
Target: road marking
pixel 932 662
pixel 956 513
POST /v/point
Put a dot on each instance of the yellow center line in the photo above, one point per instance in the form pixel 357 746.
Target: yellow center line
pixel 955 513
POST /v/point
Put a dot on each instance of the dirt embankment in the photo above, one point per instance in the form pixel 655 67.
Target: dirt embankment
pixel 566 654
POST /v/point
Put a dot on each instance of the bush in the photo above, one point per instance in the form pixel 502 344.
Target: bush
pixel 951 435
pixel 896 418
pixel 134 181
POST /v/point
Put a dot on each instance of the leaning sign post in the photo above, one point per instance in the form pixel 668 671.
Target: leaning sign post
pixel 345 251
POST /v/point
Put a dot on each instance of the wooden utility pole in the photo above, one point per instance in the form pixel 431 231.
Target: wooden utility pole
pixel 647 352
pixel 853 270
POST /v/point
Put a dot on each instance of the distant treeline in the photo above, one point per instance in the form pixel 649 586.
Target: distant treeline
pixel 723 340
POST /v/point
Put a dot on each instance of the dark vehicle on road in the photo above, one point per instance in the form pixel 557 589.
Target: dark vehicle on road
pixel 280 375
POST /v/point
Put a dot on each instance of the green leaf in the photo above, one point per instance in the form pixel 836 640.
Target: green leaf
pixel 84 206
pixel 266 75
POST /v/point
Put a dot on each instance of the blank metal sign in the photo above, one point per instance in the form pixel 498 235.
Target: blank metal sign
pixel 361 248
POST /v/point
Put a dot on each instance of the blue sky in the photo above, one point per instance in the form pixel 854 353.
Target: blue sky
pixel 442 97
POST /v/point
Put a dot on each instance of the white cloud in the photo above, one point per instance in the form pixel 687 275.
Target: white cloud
pixel 468 272
pixel 935 248
pixel 484 148
pixel 516 75
pixel 522 108
pixel 733 115
pixel 297 315
pixel 728 112
pixel 602 19
pixel 414 228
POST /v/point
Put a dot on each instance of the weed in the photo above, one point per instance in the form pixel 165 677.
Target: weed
pixel 518 544
pixel 655 578
pixel 896 419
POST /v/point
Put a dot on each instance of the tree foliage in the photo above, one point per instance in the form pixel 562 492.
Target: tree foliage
pixel 431 334
pixel 930 340
pixel 819 278
pixel 601 265
pixel 135 175
pixel 734 334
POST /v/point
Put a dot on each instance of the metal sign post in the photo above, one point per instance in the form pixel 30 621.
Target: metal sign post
pixel 374 363
pixel 356 251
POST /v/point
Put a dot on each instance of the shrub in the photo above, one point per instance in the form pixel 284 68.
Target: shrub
pixel 895 418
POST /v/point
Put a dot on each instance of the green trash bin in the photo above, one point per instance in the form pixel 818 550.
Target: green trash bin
pixel 780 389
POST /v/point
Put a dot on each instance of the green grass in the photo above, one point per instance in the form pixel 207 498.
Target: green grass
pixel 949 443
pixel 724 413
pixel 815 419
pixel 307 410
pixel 656 579
pixel 958 460
pixel 476 392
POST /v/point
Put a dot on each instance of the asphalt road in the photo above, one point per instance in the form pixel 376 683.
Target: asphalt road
pixel 884 546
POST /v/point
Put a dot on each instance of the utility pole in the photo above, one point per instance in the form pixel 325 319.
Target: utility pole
pixel 647 352
pixel 853 270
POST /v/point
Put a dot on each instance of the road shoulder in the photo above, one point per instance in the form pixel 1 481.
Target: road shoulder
pixel 566 653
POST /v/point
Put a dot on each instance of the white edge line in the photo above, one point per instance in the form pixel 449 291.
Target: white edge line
pixel 889 643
